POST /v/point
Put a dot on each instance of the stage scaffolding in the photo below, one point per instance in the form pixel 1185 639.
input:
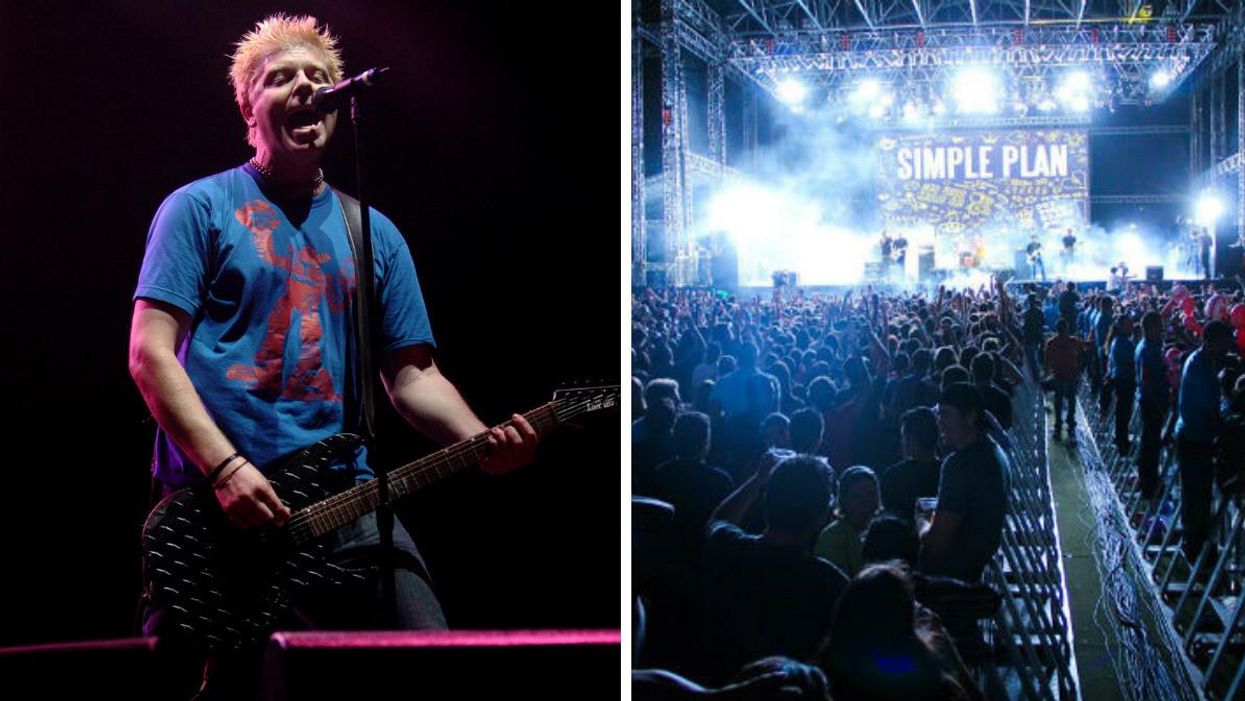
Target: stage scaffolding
pixel 833 43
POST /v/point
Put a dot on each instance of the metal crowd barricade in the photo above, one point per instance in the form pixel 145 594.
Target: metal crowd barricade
pixel 1201 599
pixel 1031 630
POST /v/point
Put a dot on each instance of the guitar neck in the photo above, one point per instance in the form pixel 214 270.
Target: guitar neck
pixel 340 509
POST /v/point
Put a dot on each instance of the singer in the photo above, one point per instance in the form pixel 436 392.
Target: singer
pixel 242 338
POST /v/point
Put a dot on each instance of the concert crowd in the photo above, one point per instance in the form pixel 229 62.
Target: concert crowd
pixel 820 481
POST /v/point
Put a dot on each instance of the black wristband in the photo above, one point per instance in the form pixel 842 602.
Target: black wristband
pixel 224 463
pixel 231 473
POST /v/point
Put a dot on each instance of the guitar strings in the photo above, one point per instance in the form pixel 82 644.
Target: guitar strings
pixel 303 520
pixel 324 509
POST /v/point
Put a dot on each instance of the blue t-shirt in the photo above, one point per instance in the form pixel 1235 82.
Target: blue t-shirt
pixel 1199 399
pixel 271 347
pixel 1121 367
pixel 1151 372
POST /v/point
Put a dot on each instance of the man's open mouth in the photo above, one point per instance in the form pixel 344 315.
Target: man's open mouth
pixel 302 119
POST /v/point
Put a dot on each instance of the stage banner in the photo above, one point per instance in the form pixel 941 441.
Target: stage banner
pixel 984 190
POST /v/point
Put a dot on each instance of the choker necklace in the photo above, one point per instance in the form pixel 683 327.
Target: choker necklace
pixel 269 176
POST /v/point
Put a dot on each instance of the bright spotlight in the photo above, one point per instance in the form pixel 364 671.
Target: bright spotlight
pixel 1047 105
pixel 792 92
pixel 867 91
pixel 1208 209
pixel 976 90
pixel 1079 81
pixel 1160 79
pixel 1076 91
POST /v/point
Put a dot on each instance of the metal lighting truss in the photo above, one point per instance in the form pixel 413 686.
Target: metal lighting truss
pixel 1125 55
pixel 916 43
pixel 1223 169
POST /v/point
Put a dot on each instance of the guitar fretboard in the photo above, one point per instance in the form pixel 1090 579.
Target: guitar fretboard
pixel 348 506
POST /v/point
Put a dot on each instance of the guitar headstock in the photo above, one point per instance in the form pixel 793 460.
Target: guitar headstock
pixel 574 401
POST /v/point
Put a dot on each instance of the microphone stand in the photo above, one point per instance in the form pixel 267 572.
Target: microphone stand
pixel 384 512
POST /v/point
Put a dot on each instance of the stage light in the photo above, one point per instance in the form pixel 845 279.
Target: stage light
pixel 1076 91
pixel 1079 81
pixel 1047 105
pixel 867 91
pixel 791 92
pixel 1208 209
pixel 975 90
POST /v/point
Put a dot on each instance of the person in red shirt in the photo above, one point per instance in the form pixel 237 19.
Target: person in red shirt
pixel 1063 360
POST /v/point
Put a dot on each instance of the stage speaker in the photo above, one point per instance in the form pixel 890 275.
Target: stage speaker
pixel 540 664
pixel 925 265
pixel 1154 273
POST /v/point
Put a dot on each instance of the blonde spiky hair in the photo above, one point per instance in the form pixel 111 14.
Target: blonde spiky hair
pixel 273 34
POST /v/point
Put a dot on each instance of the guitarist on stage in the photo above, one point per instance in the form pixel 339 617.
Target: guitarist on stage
pixel 1069 248
pixel 242 337
pixel 1034 251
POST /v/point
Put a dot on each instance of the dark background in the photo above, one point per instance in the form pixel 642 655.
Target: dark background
pixel 493 147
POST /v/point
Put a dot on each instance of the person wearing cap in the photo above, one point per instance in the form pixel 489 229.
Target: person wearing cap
pixel 1198 423
pixel 967 524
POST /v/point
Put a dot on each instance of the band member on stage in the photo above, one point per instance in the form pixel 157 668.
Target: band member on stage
pixel 1194 247
pixel 242 337
pixel 1069 246
pixel 1118 279
pixel 886 244
pixel 1034 251
pixel 899 250
pixel 1204 243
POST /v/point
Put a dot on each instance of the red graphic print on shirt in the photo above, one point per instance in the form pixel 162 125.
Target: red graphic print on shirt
pixel 308 284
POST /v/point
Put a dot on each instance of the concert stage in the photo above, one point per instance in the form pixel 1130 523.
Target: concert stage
pixel 544 664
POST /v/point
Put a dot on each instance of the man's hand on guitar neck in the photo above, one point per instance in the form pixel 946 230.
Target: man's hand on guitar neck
pixel 249 501
pixel 510 448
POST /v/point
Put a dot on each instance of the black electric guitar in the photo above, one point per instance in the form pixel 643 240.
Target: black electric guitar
pixel 226 588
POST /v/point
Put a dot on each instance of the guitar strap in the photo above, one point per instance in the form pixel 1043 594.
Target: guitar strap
pixel 363 308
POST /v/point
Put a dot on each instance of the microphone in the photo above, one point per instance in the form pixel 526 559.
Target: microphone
pixel 331 99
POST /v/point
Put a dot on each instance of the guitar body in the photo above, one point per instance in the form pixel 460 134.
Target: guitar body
pixel 224 587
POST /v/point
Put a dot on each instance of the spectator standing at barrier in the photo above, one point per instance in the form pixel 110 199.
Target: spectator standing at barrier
pixel 768 594
pixel 1034 332
pixel 1063 359
pixel 1197 426
pixel 917 475
pixel 967 524
pixel 1230 448
pixel 1068 302
pixel 1101 323
pixel 1153 397
pixel 1122 378
pixel 997 401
